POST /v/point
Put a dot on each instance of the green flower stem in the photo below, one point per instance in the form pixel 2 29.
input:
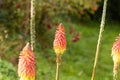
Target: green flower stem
pixel 58 62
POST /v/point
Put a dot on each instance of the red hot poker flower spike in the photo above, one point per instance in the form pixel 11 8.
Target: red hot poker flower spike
pixel 59 43
pixel 116 50
pixel 116 55
pixel 26 65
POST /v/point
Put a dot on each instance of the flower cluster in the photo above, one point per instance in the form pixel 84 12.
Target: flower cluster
pixel 59 43
pixel 116 56
pixel 116 51
pixel 26 65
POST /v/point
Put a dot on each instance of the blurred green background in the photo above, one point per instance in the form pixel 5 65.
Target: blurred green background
pixel 81 19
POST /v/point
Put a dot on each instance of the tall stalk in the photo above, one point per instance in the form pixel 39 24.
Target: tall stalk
pixel 58 62
pixel 99 38
pixel 32 23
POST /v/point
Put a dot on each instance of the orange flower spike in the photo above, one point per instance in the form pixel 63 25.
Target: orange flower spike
pixel 116 55
pixel 26 65
pixel 59 43
pixel 116 50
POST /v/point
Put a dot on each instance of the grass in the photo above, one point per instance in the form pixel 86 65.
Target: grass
pixel 79 57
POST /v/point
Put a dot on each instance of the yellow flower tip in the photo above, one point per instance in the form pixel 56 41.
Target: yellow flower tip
pixel 26 65
pixel 116 51
pixel 59 43
pixel 27 78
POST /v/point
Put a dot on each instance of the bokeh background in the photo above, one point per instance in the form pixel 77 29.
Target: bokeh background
pixel 81 19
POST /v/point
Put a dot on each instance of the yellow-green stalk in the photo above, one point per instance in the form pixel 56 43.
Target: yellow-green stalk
pixel 99 39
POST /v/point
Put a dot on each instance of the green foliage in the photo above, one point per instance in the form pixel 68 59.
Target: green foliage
pixel 13 25
pixel 14 17
pixel 77 8
pixel 7 71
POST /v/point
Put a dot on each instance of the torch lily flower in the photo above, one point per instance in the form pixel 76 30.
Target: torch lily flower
pixel 59 43
pixel 26 65
pixel 116 56
pixel 59 46
pixel 116 51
